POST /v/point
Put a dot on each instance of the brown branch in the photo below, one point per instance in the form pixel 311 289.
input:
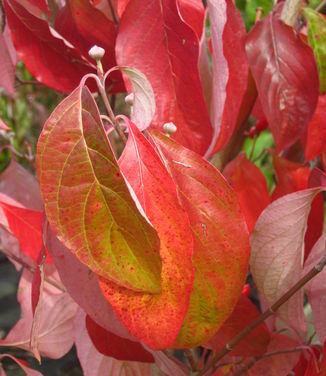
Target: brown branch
pixel 190 357
pixel 269 312
pixel 290 11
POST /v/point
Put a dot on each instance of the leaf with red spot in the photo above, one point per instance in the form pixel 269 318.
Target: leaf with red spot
pixel 86 199
pixel 230 72
pixel 250 185
pixel 315 140
pixel 243 314
pixel 114 346
pixel 47 56
pixel 221 241
pixel 292 177
pixel 156 319
pixel 285 72
pixel 85 26
pixel 153 39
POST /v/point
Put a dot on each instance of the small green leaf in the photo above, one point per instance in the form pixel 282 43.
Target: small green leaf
pixel 317 41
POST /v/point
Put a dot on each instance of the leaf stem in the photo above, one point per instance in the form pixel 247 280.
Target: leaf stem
pixel 107 105
pixel 269 312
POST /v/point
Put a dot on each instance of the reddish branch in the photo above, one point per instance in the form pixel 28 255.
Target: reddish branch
pixel 269 312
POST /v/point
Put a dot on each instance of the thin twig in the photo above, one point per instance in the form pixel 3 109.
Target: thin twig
pixel 320 6
pixel 32 270
pixel 111 114
pixel 3 17
pixel 255 359
pixel 269 312
pixel 190 357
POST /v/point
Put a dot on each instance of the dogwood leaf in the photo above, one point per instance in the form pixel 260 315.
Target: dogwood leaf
pixel 221 241
pixel 86 199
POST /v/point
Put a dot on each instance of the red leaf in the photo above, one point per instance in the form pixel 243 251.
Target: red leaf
pixel 26 226
pixel 7 63
pixel 85 26
pixel 82 285
pixel 279 364
pixel 169 49
pixel 230 71
pixel 315 143
pixel 251 187
pixel 156 319
pixel 243 314
pixel 47 57
pixel 292 177
pixel 193 12
pixel 94 363
pixel 221 241
pixel 114 346
pixel 286 76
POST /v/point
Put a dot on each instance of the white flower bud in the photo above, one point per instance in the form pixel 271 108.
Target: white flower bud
pixel 169 128
pixel 129 99
pixel 96 53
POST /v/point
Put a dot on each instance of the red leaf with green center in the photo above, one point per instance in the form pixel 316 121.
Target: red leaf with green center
pixel 156 319
pixel 86 199
pixel 221 240
pixel 285 72
pixel 153 39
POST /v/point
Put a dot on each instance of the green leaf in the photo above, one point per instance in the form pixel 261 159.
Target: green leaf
pixel 317 41
pixel 87 201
